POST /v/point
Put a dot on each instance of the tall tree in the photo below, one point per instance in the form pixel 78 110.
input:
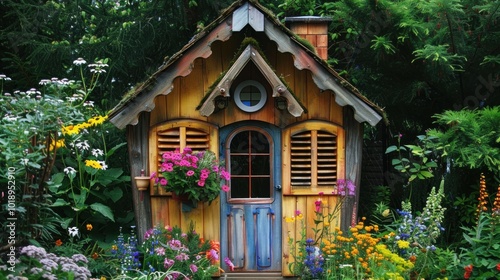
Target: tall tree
pixel 415 58
pixel 40 39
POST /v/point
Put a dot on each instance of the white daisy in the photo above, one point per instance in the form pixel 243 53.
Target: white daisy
pixel 73 231
pixel 97 152
pixel 103 164
pixel 83 145
pixel 79 61
pixel 69 170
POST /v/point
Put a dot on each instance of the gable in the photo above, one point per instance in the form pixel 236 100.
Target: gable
pixel 250 53
pixel 234 19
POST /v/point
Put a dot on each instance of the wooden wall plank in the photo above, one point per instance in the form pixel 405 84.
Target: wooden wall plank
pixel 138 151
pixel 173 102
pixel 191 91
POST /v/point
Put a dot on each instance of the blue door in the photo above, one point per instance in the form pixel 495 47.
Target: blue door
pixel 251 210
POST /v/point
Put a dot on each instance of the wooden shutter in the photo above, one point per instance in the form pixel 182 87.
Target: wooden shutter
pixel 179 138
pixel 312 158
pixel 166 137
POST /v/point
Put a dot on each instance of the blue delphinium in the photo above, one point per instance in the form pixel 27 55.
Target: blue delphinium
pixel 314 260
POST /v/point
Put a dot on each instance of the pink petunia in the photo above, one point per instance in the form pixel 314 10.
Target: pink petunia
pixel 190 173
pixel 225 175
pixel 225 188
pixel 163 181
pixel 201 183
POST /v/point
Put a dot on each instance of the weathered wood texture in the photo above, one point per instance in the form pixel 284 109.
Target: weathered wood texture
pixel 187 92
pixel 354 151
pixel 303 228
pixel 138 153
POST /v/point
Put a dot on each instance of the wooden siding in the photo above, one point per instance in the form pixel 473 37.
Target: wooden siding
pixel 165 209
pixel 187 93
pixel 293 231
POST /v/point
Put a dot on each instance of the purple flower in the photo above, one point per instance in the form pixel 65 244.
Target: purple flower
pixel 351 187
pixel 168 263
pixel 182 257
pixel 175 244
pixel 160 251
pixel 193 268
pixel 214 254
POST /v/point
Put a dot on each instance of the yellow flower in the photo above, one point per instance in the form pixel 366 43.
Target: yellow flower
pixel 97 120
pixel 289 219
pixel 403 244
pixel 102 278
pixel 386 212
pixel 70 130
pixel 93 163
pixel 89 227
pixel 54 145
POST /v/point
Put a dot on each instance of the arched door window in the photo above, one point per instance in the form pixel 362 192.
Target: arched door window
pixel 250 160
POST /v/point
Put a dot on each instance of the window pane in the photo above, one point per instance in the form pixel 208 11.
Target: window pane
pixel 239 165
pixel 239 187
pixel 240 144
pixel 260 144
pixel 260 165
pixel 250 96
pixel 261 187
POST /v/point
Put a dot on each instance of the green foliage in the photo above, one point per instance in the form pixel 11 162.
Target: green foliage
pixel 413 161
pixel 54 142
pixel 481 248
pixel 470 138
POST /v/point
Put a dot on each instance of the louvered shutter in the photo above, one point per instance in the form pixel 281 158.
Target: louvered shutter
pixel 313 157
pixel 198 136
pixel 179 138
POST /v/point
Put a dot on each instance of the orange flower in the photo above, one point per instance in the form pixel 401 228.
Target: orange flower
pixel 215 245
pixel 89 227
pixel 59 242
pixel 95 255
pixel 413 258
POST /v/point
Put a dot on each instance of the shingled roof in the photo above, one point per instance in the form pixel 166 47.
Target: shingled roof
pixel 234 18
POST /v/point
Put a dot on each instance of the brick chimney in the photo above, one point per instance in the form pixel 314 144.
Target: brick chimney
pixel 312 28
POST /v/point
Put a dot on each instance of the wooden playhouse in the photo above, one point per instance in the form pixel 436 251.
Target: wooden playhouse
pixel 262 97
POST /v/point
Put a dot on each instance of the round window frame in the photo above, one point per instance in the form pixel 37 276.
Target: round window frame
pixel 244 107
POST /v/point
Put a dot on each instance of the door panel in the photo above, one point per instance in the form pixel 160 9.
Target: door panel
pixel 251 211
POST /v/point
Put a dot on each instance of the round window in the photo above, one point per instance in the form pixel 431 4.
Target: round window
pixel 250 96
